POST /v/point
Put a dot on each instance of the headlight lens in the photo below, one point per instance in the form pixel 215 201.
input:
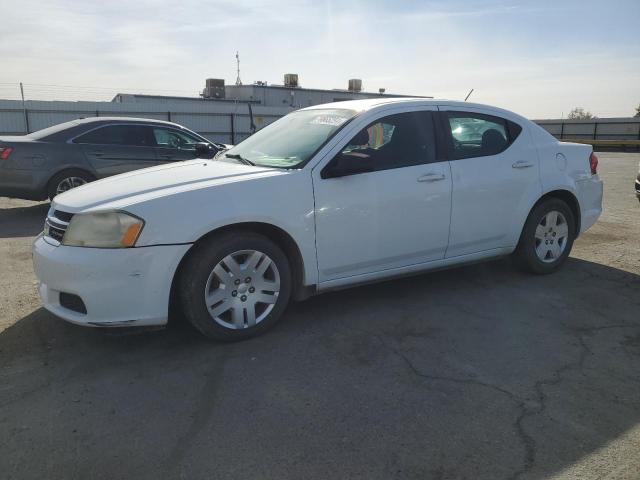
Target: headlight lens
pixel 103 230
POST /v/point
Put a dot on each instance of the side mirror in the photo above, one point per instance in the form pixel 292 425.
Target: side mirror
pixel 345 164
pixel 205 150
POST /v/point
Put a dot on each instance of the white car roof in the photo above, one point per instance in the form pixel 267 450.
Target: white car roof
pixel 371 103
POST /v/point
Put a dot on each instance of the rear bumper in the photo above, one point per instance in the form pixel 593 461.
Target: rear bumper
pixel 23 183
pixel 120 287
pixel 590 197
pixel 23 193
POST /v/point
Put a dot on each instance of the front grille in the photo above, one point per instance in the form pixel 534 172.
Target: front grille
pixel 64 216
pixel 54 232
pixel 56 224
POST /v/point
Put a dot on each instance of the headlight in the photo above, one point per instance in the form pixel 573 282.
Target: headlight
pixel 103 230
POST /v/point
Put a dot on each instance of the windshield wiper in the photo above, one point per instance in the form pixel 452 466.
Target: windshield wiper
pixel 237 156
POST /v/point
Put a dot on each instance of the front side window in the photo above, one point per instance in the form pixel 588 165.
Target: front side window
pixel 292 140
pixel 169 138
pixel 395 141
pixel 477 135
pixel 130 135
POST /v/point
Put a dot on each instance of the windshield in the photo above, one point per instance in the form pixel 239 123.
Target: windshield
pixel 292 140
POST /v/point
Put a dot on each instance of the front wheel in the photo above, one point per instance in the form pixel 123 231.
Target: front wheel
pixel 547 237
pixel 235 286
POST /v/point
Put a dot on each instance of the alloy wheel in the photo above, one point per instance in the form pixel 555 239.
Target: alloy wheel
pixel 69 183
pixel 551 236
pixel 242 289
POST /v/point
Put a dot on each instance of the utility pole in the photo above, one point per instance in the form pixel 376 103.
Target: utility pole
pixel 24 108
pixel 238 81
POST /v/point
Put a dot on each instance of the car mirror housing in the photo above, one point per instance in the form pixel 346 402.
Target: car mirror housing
pixel 345 164
pixel 205 150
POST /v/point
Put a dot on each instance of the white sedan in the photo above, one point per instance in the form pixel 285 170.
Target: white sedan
pixel 327 197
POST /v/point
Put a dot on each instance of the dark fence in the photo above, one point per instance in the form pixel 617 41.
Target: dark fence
pixel 602 132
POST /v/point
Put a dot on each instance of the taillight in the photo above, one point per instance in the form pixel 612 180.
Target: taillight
pixel 5 152
pixel 593 163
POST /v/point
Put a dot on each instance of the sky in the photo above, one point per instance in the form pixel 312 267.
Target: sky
pixel 538 58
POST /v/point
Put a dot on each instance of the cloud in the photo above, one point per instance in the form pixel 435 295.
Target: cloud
pixel 514 54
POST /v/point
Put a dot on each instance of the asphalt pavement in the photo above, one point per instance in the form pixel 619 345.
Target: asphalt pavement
pixel 478 372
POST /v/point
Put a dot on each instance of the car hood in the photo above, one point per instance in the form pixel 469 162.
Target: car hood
pixel 148 183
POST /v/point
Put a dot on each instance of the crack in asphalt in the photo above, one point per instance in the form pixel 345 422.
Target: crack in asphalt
pixel 528 407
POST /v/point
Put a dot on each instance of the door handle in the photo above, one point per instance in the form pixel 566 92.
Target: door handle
pixel 522 164
pixel 431 177
pixel 97 154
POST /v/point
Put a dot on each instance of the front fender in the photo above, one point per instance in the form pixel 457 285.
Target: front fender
pixel 284 201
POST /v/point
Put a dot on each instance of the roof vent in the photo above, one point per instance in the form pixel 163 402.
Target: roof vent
pixel 214 88
pixel 355 85
pixel 291 80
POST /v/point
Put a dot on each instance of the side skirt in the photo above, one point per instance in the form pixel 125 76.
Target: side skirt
pixel 416 269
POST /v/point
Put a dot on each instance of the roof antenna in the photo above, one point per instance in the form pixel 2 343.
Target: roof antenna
pixel 465 98
pixel 238 81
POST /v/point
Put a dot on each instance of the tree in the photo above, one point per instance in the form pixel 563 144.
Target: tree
pixel 579 113
pixel 637 111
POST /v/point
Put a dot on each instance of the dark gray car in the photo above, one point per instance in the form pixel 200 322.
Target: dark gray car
pixel 51 161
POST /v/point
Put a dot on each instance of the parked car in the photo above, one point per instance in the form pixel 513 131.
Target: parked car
pixel 51 161
pixel 327 197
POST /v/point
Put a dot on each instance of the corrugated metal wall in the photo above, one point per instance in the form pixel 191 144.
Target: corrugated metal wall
pixel 229 121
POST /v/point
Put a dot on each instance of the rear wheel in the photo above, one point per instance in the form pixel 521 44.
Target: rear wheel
pixel 235 286
pixel 547 237
pixel 66 180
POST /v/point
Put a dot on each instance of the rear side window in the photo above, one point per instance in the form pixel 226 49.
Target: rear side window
pixel 478 135
pixel 130 135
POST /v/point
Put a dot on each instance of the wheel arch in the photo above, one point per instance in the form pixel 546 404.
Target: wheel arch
pixel 67 168
pixel 566 196
pixel 280 237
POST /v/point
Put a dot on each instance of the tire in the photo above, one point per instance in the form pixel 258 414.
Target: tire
pixel 209 271
pixel 73 177
pixel 541 249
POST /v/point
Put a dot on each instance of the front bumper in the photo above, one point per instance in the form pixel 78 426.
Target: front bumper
pixel 119 287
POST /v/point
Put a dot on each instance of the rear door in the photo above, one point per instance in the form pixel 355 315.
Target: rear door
pixel 174 145
pixel 495 174
pixel 118 148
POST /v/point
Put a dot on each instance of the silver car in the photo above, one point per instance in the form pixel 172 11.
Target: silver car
pixel 50 161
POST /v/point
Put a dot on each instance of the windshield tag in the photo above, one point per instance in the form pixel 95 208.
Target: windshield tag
pixel 332 120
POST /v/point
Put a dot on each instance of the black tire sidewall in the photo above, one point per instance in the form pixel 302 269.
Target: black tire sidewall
pixel 199 265
pixel 525 254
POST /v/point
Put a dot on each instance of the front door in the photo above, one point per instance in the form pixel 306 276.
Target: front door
pixel 174 145
pixel 394 215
